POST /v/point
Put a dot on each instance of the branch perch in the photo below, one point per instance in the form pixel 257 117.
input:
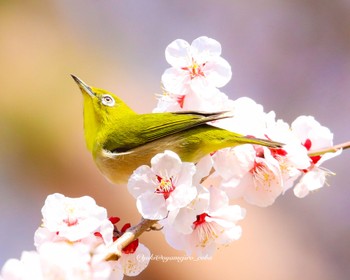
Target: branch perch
pixel 114 251
pixel 333 149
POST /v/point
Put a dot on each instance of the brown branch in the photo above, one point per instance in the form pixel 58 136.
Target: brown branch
pixel 114 251
pixel 333 149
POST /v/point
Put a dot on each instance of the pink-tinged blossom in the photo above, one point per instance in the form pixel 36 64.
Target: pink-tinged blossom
pixel 59 260
pixel 70 243
pixel 135 256
pixel 248 118
pixel 214 227
pixel 199 65
pixel 213 100
pixel 292 157
pixel 169 103
pixel 72 218
pixel 43 235
pixel 134 263
pixel 103 235
pixel 182 219
pixel 197 71
pixel 257 174
pixel 117 272
pixel 28 267
pixel 313 136
pixel 250 172
pixel 165 186
pixel 314 177
pixel 307 129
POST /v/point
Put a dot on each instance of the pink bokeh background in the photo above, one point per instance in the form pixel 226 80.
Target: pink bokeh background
pixel 291 56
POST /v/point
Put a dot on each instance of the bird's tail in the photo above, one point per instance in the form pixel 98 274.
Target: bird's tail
pixel 240 139
pixel 259 141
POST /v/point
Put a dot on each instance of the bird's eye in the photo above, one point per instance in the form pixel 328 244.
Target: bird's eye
pixel 108 100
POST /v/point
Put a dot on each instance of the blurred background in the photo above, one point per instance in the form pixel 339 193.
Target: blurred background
pixel 291 56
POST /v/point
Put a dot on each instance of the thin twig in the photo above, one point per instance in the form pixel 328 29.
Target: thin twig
pixel 333 149
pixel 115 250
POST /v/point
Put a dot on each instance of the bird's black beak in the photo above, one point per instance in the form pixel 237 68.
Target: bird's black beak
pixel 83 87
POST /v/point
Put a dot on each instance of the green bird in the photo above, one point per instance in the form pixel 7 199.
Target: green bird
pixel 121 140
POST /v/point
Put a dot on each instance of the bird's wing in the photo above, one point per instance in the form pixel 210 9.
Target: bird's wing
pixel 141 129
pixel 175 122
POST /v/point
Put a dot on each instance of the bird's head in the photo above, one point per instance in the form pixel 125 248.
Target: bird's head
pixel 101 108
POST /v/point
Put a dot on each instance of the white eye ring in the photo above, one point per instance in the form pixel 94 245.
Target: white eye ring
pixel 108 100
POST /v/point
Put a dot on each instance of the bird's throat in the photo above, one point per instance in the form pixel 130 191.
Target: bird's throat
pixel 91 125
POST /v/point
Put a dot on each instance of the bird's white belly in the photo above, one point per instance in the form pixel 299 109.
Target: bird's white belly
pixel 117 167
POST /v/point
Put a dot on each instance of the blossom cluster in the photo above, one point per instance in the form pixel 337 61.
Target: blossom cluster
pixel 196 204
pixel 71 244
pixel 192 201
pixel 194 218
pixel 255 173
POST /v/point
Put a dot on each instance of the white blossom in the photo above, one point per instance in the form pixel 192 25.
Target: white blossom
pixel 72 218
pixel 165 186
pixel 210 229
pixel 313 136
pixel 197 71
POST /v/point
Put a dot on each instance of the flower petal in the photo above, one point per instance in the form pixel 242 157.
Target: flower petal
pixel 181 197
pixel 204 49
pixel 152 206
pixel 177 54
pixel 141 181
pixel 134 264
pixel 176 81
pixel 218 72
pixel 167 164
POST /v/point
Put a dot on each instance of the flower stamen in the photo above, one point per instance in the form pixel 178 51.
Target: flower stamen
pixel 206 231
pixel 261 177
pixel 165 186
pixel 195 70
